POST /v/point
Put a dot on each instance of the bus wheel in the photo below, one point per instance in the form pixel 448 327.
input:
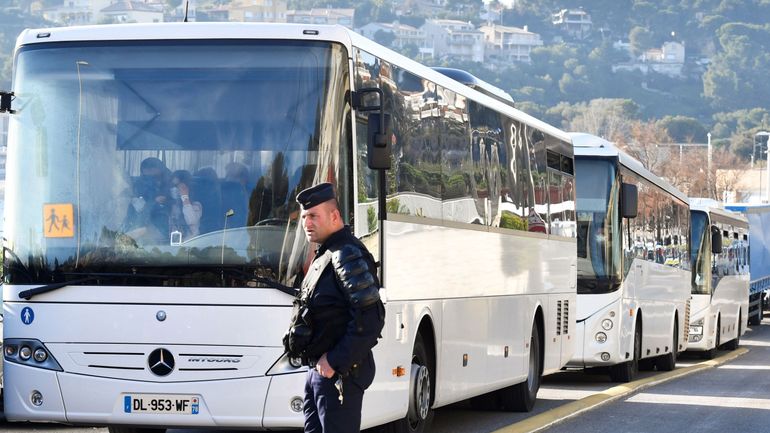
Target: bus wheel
pixel 734 343
pixel 626 372
pixel 120 429
pixel 756 319
pixel 709 354
pixel 521 397
pixel 420 414
pixel 667 362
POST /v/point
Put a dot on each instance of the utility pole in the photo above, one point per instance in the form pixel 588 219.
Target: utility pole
pixel 767 151
pixel 767 165
pixel 708 166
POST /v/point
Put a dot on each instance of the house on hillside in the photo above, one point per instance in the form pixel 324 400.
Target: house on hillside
pixel 574 22
pixel 504 45
pixel 75 12
pixel 403 35
pixel 456 39
pixel 667 60
pixel 343 17
pixel 269 11
pixel 132 11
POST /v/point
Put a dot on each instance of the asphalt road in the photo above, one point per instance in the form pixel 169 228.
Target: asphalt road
pixel 734 397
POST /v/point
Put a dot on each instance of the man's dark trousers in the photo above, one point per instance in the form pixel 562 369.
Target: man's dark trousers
pixel 323 411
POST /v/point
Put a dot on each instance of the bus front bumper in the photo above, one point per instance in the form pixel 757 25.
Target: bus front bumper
pixel 39 395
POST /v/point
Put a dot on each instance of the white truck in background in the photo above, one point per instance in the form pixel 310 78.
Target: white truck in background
pixel 759 255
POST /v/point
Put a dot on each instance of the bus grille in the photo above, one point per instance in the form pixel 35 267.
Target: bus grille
pixel 687 320
pixel 562 317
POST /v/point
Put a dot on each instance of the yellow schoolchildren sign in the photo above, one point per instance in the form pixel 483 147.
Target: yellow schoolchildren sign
pixel 58 220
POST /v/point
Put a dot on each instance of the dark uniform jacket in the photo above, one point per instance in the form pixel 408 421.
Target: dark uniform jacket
pixel 345 311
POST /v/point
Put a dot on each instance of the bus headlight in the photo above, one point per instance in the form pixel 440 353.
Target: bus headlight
pixel 9 349
pixel 40 354
pixel 29 352
pixel 25 353
pixel 606 324
pixel 601 337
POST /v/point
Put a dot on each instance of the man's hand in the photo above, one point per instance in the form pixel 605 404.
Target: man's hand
pixel 324 369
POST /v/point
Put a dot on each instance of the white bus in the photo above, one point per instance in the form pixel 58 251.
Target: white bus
pixel 720 286
pixel 633 263
pixel 122 309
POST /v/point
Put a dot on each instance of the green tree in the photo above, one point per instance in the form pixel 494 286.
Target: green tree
pixel 684 129
pixel 737 76
pixel 640 39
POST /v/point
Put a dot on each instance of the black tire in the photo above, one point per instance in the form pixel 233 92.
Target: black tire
pixel 735 342
pixel 122 429
pixel 709 354
pixel 667 362
pixel 522 396
pixel 420 413
pixel 627 371
pixel 756 319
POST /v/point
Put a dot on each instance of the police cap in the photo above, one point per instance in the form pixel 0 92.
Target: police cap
pixel 315 195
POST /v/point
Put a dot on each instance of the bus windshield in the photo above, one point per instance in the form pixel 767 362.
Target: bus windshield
pixel 599 260
pixel 701 256
pixel 172 159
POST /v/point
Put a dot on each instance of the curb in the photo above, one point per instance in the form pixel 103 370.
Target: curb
pixel 564 412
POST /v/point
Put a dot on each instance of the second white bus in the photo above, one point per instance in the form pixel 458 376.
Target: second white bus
pixel 633 263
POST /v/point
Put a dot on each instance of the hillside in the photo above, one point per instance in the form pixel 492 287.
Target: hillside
pixel 721 88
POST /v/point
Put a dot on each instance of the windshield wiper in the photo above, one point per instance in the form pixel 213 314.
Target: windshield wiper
pixel 29 293
pixel 263 280
pixel 90 276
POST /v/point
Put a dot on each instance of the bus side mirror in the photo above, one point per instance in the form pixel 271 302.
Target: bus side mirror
pixel 629 200
pixel 377 142
pixel 716 240
pixel 371 99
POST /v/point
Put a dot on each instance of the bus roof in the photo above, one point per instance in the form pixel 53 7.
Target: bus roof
pixel 591 145
pixel 714 208
pixel 275 31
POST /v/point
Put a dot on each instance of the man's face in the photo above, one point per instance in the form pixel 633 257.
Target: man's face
pixel 320 222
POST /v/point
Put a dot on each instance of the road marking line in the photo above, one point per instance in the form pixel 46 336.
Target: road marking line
pixel 744 367
pixel 563 394
pixel 557 415
pixel 755 343
pixel 702 400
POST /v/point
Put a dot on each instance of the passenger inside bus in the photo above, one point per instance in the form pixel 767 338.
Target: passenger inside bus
pixel 186 209
pixel 147 219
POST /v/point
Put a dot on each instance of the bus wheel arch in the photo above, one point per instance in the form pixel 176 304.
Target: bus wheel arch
pixel 710 353
pixel 667 361
pixel 521 397
pixel 422 382
pixel 735 342
pixel 627 371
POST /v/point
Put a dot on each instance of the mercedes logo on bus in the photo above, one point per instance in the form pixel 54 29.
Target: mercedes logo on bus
pixel 161 362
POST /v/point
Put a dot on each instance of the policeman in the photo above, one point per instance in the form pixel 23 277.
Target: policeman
pixel 341 307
